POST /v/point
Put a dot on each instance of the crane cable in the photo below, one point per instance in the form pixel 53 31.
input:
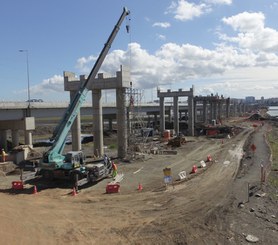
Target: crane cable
pixel 128 21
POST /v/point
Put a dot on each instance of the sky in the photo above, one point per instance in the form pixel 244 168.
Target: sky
pixel 225 47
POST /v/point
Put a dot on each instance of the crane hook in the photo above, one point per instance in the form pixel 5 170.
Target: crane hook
pixel 127 28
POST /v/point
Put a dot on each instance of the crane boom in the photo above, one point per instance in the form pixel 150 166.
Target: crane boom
pixel 53 158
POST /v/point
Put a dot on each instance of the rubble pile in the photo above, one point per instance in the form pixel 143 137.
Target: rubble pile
pixel 177 141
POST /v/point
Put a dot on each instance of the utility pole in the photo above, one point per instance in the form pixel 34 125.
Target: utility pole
pixel 28 80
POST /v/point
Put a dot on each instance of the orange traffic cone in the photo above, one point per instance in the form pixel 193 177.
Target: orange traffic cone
pixel 74 193
pixel 140 187
pixel 194 169
pixel 35 191
pixel 209 158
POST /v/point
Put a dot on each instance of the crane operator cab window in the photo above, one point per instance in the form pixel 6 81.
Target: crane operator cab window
pixel 76 158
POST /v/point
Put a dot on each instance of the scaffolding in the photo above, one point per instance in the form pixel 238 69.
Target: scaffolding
pixel 137 135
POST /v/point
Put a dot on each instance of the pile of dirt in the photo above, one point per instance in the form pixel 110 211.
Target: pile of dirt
pixel 7 167
pixel 257 117
pixel 177 141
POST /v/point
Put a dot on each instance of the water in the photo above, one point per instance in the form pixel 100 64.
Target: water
pixel 273 111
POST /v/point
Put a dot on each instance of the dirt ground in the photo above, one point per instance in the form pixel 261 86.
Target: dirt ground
pixel 217 205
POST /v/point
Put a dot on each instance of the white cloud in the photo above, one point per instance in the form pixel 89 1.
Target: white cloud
pixel 173 63
pixel 147 19
pixel 246 22
pixel 266 59
pixel 252 33
pixel 53 84
pixel 162 24
pixel 161 37
pixel 274 5
pixel 241 82
pixel 81 63
pixel 227 69
pixel 49 87
pixel 185 11
pixel 227 2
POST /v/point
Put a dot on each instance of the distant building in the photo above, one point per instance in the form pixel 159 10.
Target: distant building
pixel 250 99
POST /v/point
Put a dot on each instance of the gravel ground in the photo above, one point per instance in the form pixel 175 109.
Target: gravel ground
pixel 212 206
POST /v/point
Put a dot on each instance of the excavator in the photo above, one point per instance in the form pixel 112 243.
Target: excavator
pixel 72 164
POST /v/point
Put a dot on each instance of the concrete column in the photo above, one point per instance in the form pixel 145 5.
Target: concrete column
pixel 97 122
pixel 228 107
pixel 162 115
pixel 149 120
pixel 190 115
pixel 28 138
pixel 155 121
pixel 195 111
pixel 110 124
pixel 235 108
pixel 176 115
pixel 205 111
pixel 75 129
pixel 121 122
pixel 240 109
pixel 219 105
pixel 15 137
pixel 169 114
pixel 244 108
pixel 3 140
pixel 211 111
pixel 214 105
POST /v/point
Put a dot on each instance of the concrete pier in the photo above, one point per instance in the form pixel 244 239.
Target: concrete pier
pixel 162 115
pixel 97 123
pixel 175 95
pixel 120 83
pixel 26 124
pixel 121 122
pixel 216 109
pixel 75 129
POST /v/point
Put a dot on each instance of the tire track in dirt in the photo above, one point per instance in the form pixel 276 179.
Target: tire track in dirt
pixel 191 210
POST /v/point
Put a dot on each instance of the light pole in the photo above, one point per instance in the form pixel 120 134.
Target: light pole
pixel 28 79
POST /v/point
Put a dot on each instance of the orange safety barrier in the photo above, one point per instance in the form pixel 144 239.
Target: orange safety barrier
pixel 112 188
pixel 17 185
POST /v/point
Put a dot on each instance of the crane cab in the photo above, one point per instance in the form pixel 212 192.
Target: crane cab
pixel 75 159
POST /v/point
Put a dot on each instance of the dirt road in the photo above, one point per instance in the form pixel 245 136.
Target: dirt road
pixel 202 210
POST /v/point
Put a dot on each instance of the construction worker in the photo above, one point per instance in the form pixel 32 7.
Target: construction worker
pixel 4 155
pixel 106 159
pixel 115 170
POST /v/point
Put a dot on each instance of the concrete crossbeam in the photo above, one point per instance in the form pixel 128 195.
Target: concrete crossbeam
pixel 27 123
pixel 122 80
pixel 178 93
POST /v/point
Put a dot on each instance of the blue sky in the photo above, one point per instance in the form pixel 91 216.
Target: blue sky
pixel 228 47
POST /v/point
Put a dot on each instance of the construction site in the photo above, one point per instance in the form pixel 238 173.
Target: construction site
pixel 202 172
